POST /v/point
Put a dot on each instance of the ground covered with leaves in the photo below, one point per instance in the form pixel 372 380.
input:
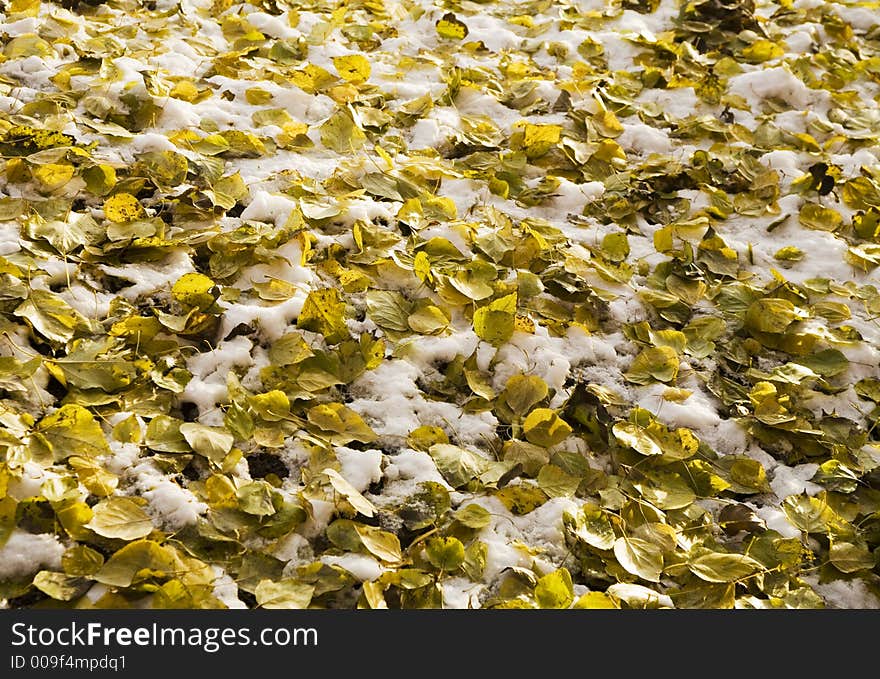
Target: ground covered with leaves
pixel 413 303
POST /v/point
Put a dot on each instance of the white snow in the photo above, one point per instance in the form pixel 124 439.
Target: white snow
pixel 393 398
pixel 778 83
pixel 365 568
pixel 361 468
pixel 25 553
pixel 788 481
pixel 847 594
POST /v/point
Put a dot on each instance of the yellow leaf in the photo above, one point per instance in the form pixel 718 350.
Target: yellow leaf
pixel 422 267
pixel 523 324
pixel 355 67
pixel 312 78
pixel 541 134
pixel 24 8
pixel 384 155
pixel 815 216
pixel 185 90
pixel 122 207
pixel 449 27
pixel 195 290
pixel 444 205
pixel 257 96
pixel 294 134
pixel 354 497
pixel 53 176
pixel 28 45
pixel 525 20
pixel 97 480
pixel 545 428
pixel 762 50
pixel 341 133
pixel 496 322
pixel 120 517
pixel 340 424
pixel 521 499
pixel 608 124
pixel 324 312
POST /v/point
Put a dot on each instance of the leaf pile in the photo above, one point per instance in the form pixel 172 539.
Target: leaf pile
pixel 403 303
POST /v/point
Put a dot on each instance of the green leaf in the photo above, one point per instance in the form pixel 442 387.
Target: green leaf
pixel 340 424
pixel 166 169
pixel 349 492
pixel 350 536
pixel 749 473
pixel 850 558
pixel 836 476
pixel 616 245
pixel 70 430
pixel 140 558
pixel 8 511
pixel 50 315
pixel 473 516
pixel 61 586
pixel 324 312
pixel 592 525
pixel 639 557
pixel 214 443
pixel 457 465
pixel 341 133
pixel 163 434
pixel 121 518
pixel 720 567
pixel 445 553
pixel 555 590
pixel 812 515
pixel 475 560
pixel 283 594
pixel 666 490
pixel 860 193
pixel 67 236
pixel 543 427
pixel 81 560
pixel 127 430
pixel 827 363
pixel 654 363
pixel 496 321
pixel 814 216
pixel 789 253
pixel 556 482
pixel 256 498
pixel 771 315
pixel 705 596
pixel 426 507
pixel 389 310
pixel 523 392
pixel 428 319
